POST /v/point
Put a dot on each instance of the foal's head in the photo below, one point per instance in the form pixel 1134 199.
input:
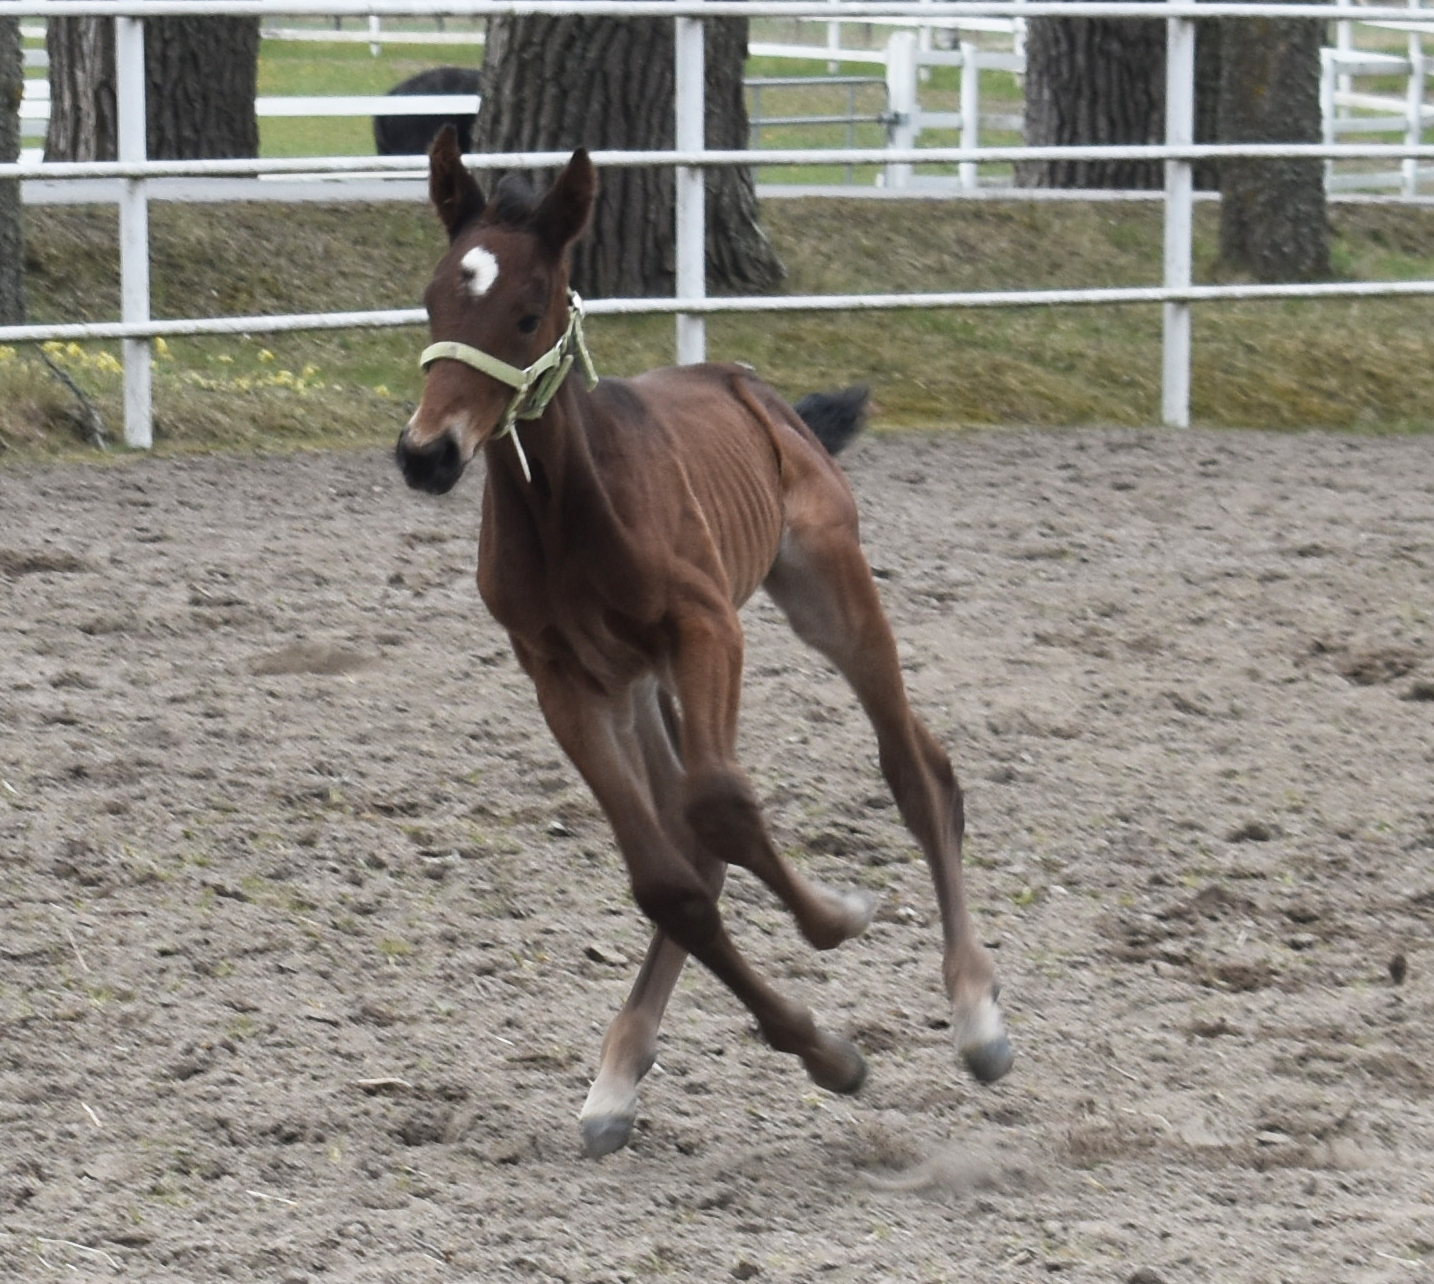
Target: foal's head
pixel 502 289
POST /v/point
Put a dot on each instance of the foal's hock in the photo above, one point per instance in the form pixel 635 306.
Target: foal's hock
pixel 624 523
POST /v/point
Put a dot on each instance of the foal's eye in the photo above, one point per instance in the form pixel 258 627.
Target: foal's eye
pixel 528 324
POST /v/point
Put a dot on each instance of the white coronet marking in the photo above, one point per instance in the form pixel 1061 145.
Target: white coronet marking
pixel 978 1026
pixel 610 1097
pixel 480 270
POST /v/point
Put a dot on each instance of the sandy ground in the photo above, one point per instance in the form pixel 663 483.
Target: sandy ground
pixel 310 934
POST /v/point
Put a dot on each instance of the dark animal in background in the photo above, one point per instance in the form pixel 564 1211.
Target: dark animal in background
pixel 411 135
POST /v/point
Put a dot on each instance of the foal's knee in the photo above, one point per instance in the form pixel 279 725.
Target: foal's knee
pixel 724 816
pixel 684 910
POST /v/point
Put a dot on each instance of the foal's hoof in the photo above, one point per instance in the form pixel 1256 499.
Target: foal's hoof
pixel 990 1061
pixel 848 914
pixel 602 1134
pixel 860 910
pixel 607 1115
pixel 981 1040
pixel 836 1065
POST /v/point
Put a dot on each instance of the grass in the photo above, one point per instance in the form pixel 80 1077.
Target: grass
pixel 1354 364
pixel 289 68
pixel 302 69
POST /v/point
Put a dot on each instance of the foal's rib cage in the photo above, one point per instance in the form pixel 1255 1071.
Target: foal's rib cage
pixel 1176 292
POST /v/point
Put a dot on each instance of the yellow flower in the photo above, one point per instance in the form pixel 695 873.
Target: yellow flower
pixel 265 354
pixel 6 353
pixel 381 390
pixel 161 349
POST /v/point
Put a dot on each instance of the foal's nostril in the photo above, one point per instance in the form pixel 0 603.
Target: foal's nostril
pixel 435 467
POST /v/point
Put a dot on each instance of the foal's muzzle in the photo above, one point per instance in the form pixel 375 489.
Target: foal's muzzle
pixel 435 467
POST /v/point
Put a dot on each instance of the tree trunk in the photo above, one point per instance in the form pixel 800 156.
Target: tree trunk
pixel 550 84
pixel 1273 221
pixel 200 76
pixel 12 241
pixel 1096 82
pixel 1102 81
pixel 82 89
pixel 1207 99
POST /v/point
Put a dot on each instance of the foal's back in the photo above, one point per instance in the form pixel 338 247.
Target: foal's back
pixel 737 464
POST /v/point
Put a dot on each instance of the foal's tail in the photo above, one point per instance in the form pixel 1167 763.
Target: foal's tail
pixel 835 417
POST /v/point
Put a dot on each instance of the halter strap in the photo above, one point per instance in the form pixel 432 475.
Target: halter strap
pixel 533 388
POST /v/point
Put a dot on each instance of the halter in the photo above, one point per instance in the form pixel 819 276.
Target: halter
pixel 534 387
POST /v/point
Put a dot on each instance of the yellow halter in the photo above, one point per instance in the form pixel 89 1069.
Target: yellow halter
pixel 534 387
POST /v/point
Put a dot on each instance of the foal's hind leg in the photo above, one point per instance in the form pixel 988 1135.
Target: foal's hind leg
pixel 822 582
pixel 630 1046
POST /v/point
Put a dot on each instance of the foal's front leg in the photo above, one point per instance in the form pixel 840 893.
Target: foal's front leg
pixel 630 1045
pixel 666 885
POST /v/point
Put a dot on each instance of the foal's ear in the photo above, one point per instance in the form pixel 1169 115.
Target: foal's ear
pixel 451 188
pixel 563 213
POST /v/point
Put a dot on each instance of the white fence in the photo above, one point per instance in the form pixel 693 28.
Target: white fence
pixel 1348 110
pixel 902 63
pixel 1177 294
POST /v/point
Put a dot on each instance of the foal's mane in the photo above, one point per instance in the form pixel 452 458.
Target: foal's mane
pixel 512 204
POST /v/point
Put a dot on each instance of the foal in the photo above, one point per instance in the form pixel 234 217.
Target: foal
pixel 623 526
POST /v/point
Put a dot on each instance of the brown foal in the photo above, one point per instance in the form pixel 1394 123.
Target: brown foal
pixel 622 528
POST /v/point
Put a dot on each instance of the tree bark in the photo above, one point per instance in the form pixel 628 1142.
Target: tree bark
pixel 1094 81
pixel 1102 81
pixel 200 78
pixel 82 89
pixel 1273 219
pixel 550 84
pixel 1207 99
pixel 12 239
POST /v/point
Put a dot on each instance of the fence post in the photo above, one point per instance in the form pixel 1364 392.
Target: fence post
pixel 1414 109
pixel 970 110
pixel 1179 219
pixel 691 190
pixel 1344 45
pixel 901 101
pixel 133 231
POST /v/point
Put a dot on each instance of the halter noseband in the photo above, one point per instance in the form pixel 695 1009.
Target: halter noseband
pixel 534 387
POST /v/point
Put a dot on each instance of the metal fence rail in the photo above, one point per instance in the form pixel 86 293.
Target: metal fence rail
pixel 1176 294
pixel 908 55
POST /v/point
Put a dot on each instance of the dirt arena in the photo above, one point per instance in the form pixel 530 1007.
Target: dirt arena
pixel 310 936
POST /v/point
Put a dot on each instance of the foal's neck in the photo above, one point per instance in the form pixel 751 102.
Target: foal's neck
pixel 562 474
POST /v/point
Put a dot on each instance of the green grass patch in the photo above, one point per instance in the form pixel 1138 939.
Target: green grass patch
pixel 1365 364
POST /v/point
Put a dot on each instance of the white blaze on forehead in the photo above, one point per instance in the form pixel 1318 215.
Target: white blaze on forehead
pixel 480 270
